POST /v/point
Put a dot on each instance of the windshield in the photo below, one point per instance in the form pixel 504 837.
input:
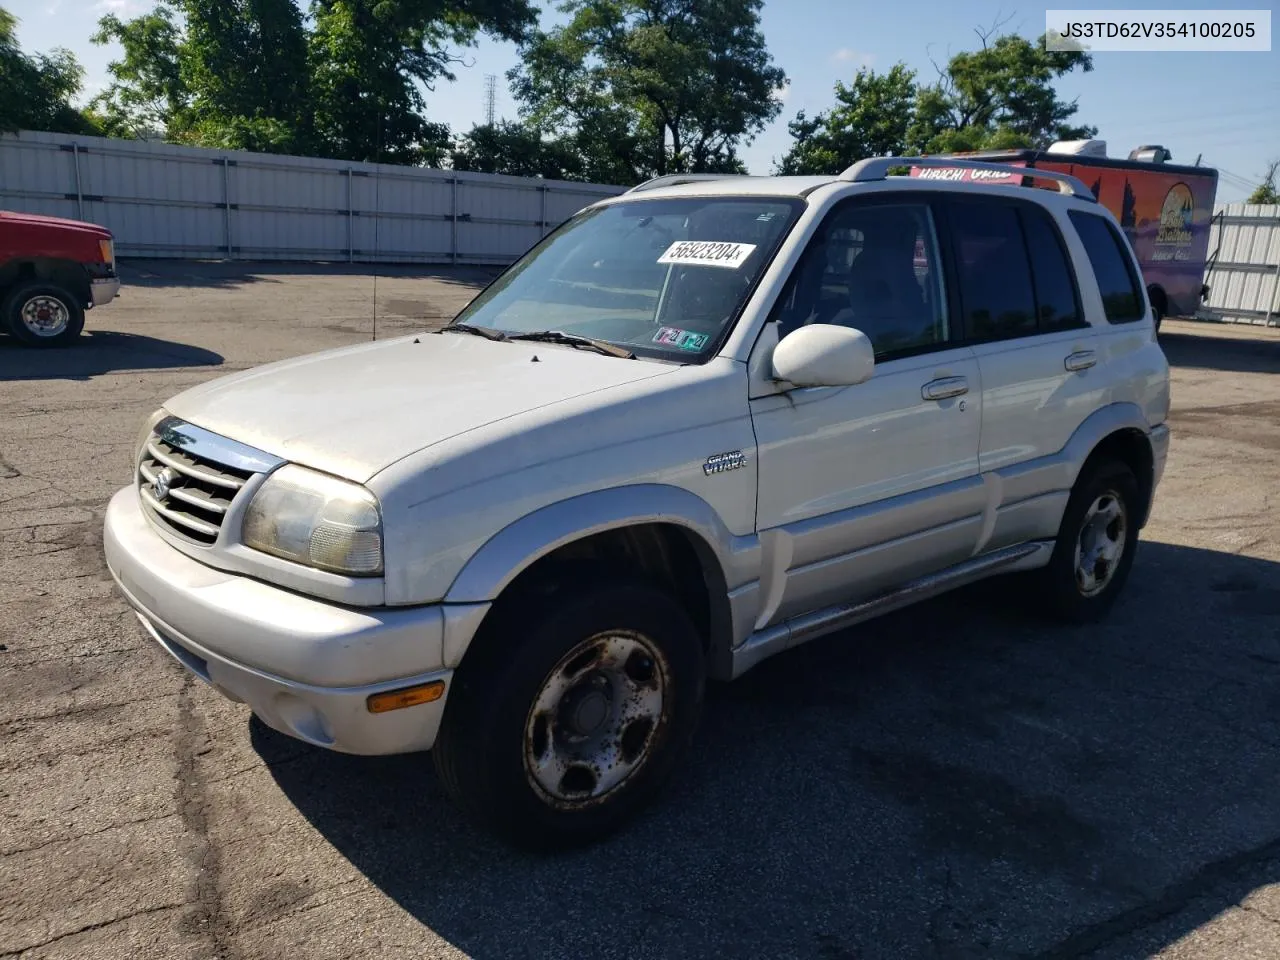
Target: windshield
pixel 663 278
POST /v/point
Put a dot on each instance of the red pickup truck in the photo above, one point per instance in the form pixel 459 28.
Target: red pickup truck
pixel 51 272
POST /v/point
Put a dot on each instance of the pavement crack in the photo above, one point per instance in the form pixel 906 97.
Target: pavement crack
pixel 206 916
pixel 1170 902
pixel 76 711
pixel 88 833
pixel 88 929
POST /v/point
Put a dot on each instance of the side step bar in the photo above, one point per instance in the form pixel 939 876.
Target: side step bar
pixel 791 633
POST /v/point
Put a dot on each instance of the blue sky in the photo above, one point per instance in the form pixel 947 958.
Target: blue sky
pixel 1221 105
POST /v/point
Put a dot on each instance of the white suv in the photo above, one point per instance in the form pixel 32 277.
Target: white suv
pixel 697 425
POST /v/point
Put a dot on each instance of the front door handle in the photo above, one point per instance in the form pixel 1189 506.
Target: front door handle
pixel 1082 360
pixel 944 388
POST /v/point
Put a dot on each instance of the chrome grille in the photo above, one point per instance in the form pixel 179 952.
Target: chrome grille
pixel 188 478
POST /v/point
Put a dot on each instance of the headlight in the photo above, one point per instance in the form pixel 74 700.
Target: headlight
pixel 316 519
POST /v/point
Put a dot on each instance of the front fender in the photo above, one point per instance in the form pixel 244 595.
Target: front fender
pixel 516 547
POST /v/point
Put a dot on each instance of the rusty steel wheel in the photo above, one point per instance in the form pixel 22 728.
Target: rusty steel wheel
pixel 570 710
pixel 596 717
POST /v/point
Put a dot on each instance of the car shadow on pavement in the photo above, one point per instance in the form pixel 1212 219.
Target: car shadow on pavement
pixel 1229 354
pixel 234 273
pixel 958 779
pixel 99 352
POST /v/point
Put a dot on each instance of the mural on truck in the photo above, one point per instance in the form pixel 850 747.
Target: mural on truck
pixel 1165 215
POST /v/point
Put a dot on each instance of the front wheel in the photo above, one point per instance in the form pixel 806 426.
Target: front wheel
pixel 43 314
pixel 570 717
pixel 1096 544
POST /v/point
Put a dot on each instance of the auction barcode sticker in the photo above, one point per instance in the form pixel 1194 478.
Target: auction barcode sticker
pixel 1188 31
pixel 707 253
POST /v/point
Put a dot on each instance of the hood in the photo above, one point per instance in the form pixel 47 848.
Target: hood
pixel 37 220
pixel 357 410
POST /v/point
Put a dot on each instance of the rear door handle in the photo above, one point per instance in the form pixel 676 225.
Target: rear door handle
pixel 1082 360
pixel 944 388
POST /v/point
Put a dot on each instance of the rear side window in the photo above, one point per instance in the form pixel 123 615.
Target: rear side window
pixel 995 273
pixel 1056 300
pixel 1112 265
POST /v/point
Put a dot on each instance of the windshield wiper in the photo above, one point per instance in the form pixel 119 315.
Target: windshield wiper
pixel 574 340
pixel 485 332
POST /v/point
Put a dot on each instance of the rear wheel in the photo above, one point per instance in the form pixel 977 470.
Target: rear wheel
pixel 43 314
pixel 1159 304
pixel 1096 544
pixel 570 715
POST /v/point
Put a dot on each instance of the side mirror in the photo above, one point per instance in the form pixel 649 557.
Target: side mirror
pixel 824 355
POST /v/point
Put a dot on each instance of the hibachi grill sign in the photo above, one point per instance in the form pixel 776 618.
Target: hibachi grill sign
pixel 959 174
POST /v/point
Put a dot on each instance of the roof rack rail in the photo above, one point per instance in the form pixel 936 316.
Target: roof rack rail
pixel 877 168
pixel 673 179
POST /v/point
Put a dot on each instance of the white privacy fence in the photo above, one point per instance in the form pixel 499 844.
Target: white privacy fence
pixel 162 200
pixel 1244 276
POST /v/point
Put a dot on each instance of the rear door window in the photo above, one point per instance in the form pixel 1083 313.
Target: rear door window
pixel 1057 304
pixel 1112 266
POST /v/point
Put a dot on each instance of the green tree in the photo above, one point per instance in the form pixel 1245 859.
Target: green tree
pixel 253 74
pixel 147 96
pixel 225 73
pixel 370 60
pixel 515 150
pixel 36 89
pixel 1266 191
pixel 998 97
pixel 870 118
pixel 647 87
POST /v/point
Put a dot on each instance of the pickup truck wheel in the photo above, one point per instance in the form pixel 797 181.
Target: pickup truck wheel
pixel 43 314
pixel 572 715
pixel 1096 544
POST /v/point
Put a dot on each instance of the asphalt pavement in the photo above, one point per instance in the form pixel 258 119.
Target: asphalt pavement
pixel 958 780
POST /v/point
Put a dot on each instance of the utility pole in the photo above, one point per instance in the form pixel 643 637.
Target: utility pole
pixel 490 97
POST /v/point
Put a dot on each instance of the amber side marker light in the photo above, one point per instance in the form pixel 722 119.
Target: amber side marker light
pixel 406 697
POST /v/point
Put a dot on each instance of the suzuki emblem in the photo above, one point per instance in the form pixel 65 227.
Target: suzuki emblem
pixel 163 481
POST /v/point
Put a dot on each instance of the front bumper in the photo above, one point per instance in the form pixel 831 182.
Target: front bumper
pixel 305 667
pixel 102 292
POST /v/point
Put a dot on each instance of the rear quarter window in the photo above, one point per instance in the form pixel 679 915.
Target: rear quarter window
pixel 1112 266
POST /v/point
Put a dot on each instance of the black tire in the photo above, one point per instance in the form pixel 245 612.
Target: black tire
pixel 490 727
pixel 1066 596
pixel 57 299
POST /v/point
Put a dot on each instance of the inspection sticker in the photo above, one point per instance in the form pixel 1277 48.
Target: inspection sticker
pixel 708 253
pixel 681 339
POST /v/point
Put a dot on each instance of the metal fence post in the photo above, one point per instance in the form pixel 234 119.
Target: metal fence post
pixel 1274 306
pixel 542 212
pixel 75 153
pixel 453 221
pixel 226 205
pixel 351 227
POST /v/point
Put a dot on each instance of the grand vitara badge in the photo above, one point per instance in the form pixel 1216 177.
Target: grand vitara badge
pixel 722 462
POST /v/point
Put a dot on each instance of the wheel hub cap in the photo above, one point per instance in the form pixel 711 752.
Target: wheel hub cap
pixel 585 708
pixel 45 316
pixel 596 718
pixel 1100 545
